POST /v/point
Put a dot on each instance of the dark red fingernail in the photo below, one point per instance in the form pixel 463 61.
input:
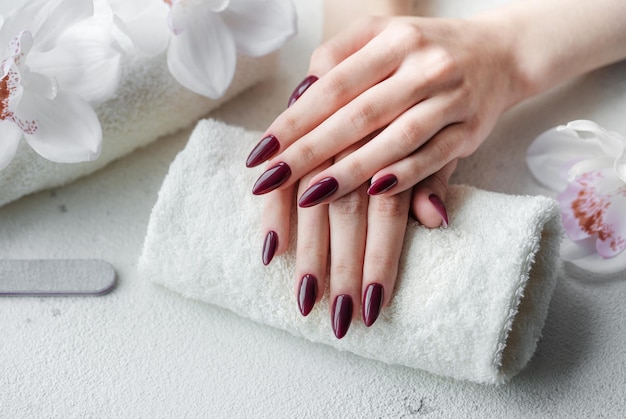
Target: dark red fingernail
pixel 301 88
pixel 272 178
pixel 372 303
pixel 265 149
pixel 382 185
pixel 318 192
pixel 307 294
pixel 269 247
pixel 440 207
pixel 342 315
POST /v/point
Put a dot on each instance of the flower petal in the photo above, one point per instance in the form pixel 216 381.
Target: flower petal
pixel 10 135
pixel 551 155
pixel 46 19
pixel 260 27
pixel 597 264
pixel 84 61
pixel 612 241
pixel 144 22
pixel 202 57
pixel 64 129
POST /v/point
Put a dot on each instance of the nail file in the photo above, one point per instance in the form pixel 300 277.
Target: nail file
pixel 56 277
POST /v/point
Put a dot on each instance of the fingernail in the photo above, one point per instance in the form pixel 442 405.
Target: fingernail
pixel 265 149
pixel 342 315
pixel 301 88
pixel 382 185
pixel 307 294
pixel 269 247
pixel 440 207
pixel 372 303
pixel 318 192
pixel 272 178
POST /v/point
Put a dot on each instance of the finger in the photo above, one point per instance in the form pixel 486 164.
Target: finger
pixel 275 224
pixel 427 160
pixel 311 255
pixel 428 199
pixel 348 226
pixel 413 129
pixel 368 66
pixel 386 225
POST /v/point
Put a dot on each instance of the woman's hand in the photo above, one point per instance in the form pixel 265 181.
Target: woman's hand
pixel 434 88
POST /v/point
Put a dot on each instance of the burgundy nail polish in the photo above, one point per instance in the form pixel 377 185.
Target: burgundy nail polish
pixel 265 149
pixel 318 192
pixel 301 88
pixel 269 247
pixel 307 294
pixel 440 207
pixel 372 303
pixel 382 185
pixel 272 178
pixel 342 315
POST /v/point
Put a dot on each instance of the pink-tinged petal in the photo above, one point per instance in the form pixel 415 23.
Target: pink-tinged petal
pixel 84 61
pixel 554 152
pixel 570 201
pixel 10 135
pixel 64 129
pixel 260 27
pixel 202 57
pixel 612 238
pixel 573 250
pixel 597 264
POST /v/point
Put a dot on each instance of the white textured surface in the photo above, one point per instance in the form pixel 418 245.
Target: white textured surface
pixel 458 292
pixel 145 352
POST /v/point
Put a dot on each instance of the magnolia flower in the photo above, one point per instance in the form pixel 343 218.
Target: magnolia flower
pixel 54 61
pixel 204 36
pixel 587 165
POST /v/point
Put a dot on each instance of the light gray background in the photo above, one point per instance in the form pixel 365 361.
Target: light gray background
pixel 143 351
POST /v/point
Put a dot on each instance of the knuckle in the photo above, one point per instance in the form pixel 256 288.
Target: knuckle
pixel 409 136
pixel 307 154
pixel 334 87
pixel 291 124
pixel 443 67
pixel 382 263
pixel 356 168
pixel 364 116
pixel 408 36
pixel 394 206
pixel 343 269
pixel 445 149
pixel 353 203
pixel 326 55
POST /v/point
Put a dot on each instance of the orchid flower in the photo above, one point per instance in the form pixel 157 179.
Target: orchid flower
pixel 204 36
pixel 54 62
pixel 586 164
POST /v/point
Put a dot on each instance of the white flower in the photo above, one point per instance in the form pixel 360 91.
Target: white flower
pixel 587 165
pixel 54 61
pixel 205 35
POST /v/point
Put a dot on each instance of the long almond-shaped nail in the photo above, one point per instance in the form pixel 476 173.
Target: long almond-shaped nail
pixel 440 208
pixel 342 315
pixel 272 178
pixel 265 149
pixel 382 185
pixel 301 88
pixel 269 247
pixel 307 294
pixel 372 303
pixel 318 192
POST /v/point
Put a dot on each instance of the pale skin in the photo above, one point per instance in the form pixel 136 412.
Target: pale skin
pixel 436 88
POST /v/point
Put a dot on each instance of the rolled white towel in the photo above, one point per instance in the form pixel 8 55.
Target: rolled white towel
pixel 470 301
pixel 148 104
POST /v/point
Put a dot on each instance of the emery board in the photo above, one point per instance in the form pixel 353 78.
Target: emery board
pixel 56 277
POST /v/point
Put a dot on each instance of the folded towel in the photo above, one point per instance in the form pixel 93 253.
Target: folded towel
pixel 148 104
pixel 470 301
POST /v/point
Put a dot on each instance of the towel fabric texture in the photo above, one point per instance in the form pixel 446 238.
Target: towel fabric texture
pixel 470 300
pixel 149 103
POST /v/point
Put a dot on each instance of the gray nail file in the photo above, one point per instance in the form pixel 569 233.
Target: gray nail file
pixel 56 277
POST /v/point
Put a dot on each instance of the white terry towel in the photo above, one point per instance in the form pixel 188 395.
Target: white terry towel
pixel 470 300
pixel 148 104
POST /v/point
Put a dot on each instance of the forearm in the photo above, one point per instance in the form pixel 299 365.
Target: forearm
pixel 557 40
